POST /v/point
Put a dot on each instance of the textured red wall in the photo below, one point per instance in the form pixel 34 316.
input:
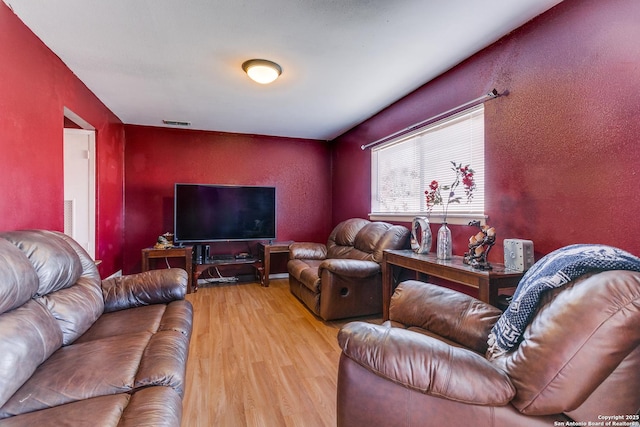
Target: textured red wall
pixel 35 86
pixel 157 158
pixel 560 148
pixel 561 152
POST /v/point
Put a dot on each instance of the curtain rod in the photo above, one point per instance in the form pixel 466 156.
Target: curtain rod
pixel 491 95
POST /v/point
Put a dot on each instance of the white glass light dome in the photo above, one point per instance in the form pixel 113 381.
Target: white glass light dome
pixel 261 70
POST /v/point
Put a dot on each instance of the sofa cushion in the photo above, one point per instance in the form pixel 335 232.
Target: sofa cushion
pixel 104 411
pixel 425 364
pixel 29 335
pixel 368 238
pixel 71 374
pixel 593 319
pixel 306 271
pixel 133 321
pixel 89 268
pixel 364 240
pixel 164 361
pixel 56 263
pixel 152 407
pixel 61 263
pixel 343 237
pixel 307 250
pixel 177 317
pixel 75 308
pixel 146 288
pixel 345 233
pixel 19 280
pixel 445 312
pixel 395 237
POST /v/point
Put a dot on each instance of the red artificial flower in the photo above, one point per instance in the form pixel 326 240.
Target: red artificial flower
pixel 465 175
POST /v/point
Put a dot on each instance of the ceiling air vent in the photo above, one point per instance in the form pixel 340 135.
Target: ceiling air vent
pixel 176 123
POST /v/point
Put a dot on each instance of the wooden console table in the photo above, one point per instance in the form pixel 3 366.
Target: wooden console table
pixel 455 270
pixel 264 254
pixel 174 252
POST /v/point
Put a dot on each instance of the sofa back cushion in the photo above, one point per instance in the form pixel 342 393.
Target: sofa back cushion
pixel 361 239
pixel 342 238
pixel 56 264
pixel 28 332
pixel 587 336
pixel 76 308
pixel 69 282
pixel 385 236
pixel 18 279
pixel 28 336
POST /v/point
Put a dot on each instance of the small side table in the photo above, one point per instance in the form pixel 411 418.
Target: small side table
pixel 264 255
pixel 174 252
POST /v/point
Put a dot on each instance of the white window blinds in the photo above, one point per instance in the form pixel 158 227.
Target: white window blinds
pixel 402 169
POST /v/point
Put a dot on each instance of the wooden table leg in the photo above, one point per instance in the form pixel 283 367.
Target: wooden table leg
pixel 387 289
pixel 192 285
pixel 266 265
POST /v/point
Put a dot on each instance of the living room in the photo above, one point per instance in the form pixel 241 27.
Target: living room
pixel 559 148
pixel 561 153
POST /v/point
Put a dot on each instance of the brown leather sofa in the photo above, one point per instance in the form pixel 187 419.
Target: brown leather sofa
pixel 343 278
pixel 75 350
pixel 579 360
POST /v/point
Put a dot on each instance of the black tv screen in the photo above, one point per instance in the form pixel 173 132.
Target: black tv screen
pixel 209 213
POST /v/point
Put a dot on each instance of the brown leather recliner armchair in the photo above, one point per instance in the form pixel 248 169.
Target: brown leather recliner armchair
pixel 578 361
pixel 343 278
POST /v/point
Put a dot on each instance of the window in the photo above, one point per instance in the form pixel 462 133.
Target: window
pixel 403 168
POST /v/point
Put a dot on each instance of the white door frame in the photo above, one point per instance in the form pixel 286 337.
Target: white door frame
pixel 89 132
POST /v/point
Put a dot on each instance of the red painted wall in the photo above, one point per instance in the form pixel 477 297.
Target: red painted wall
pixel 157 158
pixel 35 86
pixel 561 149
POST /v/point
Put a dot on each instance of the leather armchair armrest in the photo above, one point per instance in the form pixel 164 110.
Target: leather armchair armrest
pixel 350 267
pixel 426 364
pixel 149 287
pixel 448 313
pixel 303 250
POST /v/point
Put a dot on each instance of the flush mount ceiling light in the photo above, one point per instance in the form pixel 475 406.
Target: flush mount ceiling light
pixel 261 70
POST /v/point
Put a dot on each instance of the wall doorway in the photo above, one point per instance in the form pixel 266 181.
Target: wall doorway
pixel 80 185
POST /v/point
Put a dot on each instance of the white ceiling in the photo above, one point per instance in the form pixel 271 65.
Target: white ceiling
pixel 342 60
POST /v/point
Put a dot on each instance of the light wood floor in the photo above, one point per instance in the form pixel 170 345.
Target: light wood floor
pixel 258 357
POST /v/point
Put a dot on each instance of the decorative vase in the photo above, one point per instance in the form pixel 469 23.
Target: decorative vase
pixel 444 245
pixel 421 237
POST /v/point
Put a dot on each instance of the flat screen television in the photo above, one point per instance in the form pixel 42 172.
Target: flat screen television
pixel 210 213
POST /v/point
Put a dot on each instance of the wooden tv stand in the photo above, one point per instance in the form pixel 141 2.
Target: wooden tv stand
pixel 199 268
pixel 262 264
